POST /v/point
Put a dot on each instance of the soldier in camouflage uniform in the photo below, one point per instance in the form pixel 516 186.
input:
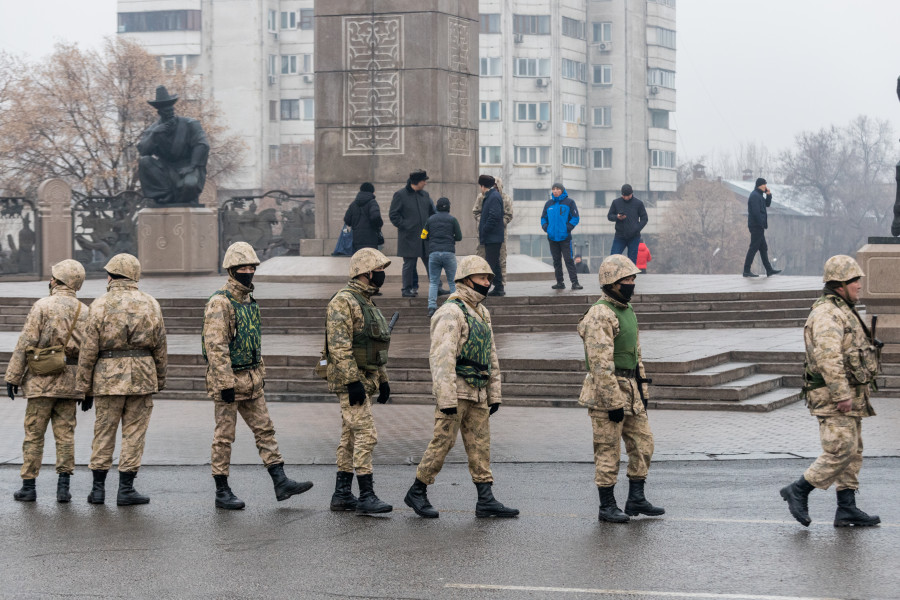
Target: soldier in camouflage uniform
pixel 842 361
pixel 357 340
pixel 122 364
pixel 466 376
pixel 507 217
pixel 57 320
pixel 615 393
pixel 236 374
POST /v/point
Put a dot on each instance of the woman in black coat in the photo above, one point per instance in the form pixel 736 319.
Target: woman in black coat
pixel 364 217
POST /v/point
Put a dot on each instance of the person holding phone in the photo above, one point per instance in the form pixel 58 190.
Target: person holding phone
pixel 758 221
pixel 630 217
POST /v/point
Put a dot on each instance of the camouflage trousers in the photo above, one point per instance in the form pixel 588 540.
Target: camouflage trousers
pixel 472 420
pixel 38 413
pixel 256 416
pixel 134 413
pixel 479 251
pixel 635 431
pixel 841 460
pixel 358 437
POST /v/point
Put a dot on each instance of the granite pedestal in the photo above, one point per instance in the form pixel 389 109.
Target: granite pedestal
pixel 880 260
pixel 178 240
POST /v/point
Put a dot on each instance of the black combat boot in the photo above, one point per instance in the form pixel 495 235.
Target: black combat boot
pixel 369 503
pixel 343 498
pixel 284 487
pixel 28 493
pixel 62 488
pixel 797 497
pixel 609 511
pixel 488 506
pixel 225 498
pixel 417 499
pixel 637 504
pixel 848 515
pixel 98 489
pixel 127 494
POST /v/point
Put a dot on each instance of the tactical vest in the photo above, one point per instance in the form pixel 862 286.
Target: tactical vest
pixel 245 349
pixel 370 346
pixel 625 353
pixel 474 361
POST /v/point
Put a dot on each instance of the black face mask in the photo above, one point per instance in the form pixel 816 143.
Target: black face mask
pixel 245 279
pixel 480 289
pixel 626 290
pixel 376 278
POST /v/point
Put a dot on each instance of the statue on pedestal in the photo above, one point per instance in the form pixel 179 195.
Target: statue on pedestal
pixel 173 151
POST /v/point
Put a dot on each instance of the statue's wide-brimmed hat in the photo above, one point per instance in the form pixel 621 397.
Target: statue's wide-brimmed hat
pixel 163 99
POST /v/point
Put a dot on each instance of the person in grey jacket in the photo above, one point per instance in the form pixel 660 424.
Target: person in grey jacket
pixel 441 233
pixel 758 222
pixel 410 208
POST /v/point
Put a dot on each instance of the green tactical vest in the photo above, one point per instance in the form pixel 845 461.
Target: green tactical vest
pixel 474 361
pixel 625 354
pixel 370 346
pixel 246 347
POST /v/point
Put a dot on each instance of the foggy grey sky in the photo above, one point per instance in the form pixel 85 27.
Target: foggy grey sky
pixel 747 71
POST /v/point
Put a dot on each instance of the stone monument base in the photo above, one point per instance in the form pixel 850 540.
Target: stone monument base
pixel 178 240
pixel 880 260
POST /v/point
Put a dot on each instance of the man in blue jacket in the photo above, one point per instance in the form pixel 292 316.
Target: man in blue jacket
pixel 559 218
pixel 758 222
pixel 491 229
pixel 630 217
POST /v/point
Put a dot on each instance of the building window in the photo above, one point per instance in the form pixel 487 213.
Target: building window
pixel 490 23
pixel 573 113
pixel 532 155
pixel 531 24
pixel 524 194
pixel 603 158
pixel 309 109
pixel 307 63
pixel 490 155
pixel 289 20
pixel 602 32
pixel 306 18
pixel 531 67
pixel 271 66
pixel 159 20
pixel 490 111
pixel 290 110
pixel 572 157
pixel 572 69
pixel 659 118
pixel 273 21
pixel 670 3
pixel 602 75
pixel 491 66
pixel 602 116
pixel 289 65
pixel 662 37
pixel 273 155
pixel 532 111
pixel 273 110
pixel 173 63
pixel 573 28
pixel 662 159
pixel 661 77
pixel 599 199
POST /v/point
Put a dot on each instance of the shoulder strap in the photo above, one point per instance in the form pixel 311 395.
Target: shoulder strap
pixel 72 326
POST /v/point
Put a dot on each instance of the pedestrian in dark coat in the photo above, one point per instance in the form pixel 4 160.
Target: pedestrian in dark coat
pixel 757 222
pixel 410 208
pixel 630 217
pixel 363 216
pixel 491 229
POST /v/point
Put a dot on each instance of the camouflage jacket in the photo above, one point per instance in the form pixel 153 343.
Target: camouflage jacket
pixel 219 327
pixel 838 349
pixel 507 209
pixel 449 331
pixel 602 389
pixel 344 318
pixel 123 318
pixel 48 325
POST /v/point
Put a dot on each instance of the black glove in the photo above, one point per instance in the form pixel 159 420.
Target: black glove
pixel 384 392
pixel 449 411
pixel 228 395
pixel 617 416
pixel 357 393
pixel 494 408
pixel 87 403
pixel 12 390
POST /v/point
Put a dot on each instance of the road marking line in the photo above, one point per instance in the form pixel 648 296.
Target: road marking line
pixel 560 590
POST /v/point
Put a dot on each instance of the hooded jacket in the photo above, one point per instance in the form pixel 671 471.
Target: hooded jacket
pixel 364 217
pixel 559 218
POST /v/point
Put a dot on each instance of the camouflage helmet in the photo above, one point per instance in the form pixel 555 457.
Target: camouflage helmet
pixel 125 265
pixel 69 272
pixel 366 260
pixel 473 265
pixel 616 267
pixel 841 268
pixel 239 254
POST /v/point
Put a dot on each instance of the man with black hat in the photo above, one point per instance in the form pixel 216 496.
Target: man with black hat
pixel 410 208
pixel 758 222
pixel 630 217
pixel 491 229
pixel 174 151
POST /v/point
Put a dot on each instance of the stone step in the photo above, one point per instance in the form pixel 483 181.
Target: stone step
pixel 734 391
pixel 765 402
pixel 711 376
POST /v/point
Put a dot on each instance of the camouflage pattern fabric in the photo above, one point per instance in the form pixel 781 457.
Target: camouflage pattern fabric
pixel 69 272
pixel 47 325
pixel 39 412
pixel 239 254
pixel 245 348
pixel 123 318
pixel 256 415
pixel 472 419
pixel 841 268
pixel 841 460
pixel 344 319
pixel 134 413
pixel 358 436
pixel 615 267
pixel 366 260
pixel 125 265
pixel 507 217
pixel 635 431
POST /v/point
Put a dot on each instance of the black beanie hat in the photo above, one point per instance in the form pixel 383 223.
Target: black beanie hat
pixel 627 190
pixel 367 187
pixel 486 181
pixel 443 204
pixel 760 181
pixel 558 186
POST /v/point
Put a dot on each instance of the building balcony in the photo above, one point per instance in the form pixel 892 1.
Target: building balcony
pixel 660 57
pixel 661 139
pixel 660 98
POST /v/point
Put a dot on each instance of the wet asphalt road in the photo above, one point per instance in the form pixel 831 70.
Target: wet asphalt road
pixel 727 534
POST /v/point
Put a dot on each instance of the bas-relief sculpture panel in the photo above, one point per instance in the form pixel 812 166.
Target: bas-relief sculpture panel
pixel 458 142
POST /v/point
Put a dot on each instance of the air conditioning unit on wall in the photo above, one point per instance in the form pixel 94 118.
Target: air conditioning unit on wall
pixel 654 90
pixel 518 38
pixel 308 78
pixel 541 125
pixel 542 82
pixel 543 169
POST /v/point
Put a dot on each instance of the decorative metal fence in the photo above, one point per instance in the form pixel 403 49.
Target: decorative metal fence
pixel 19 237
pixel 273 223
pixel 103 226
